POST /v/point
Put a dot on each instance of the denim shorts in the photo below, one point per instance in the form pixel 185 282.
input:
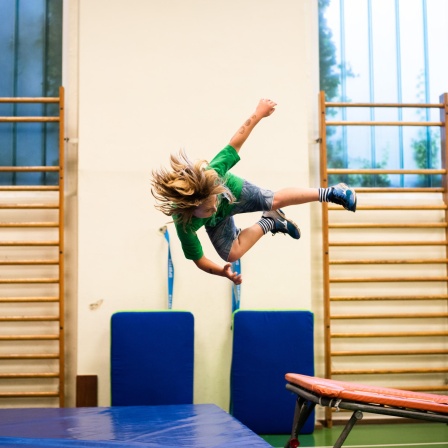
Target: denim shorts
pixel 252 199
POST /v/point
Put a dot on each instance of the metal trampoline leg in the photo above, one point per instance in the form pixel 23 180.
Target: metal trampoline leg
pixel 302 411
pixel 357 415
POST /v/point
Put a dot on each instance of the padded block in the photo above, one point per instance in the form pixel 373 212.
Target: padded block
pixel 187 425
pixel 152 358
pixel 266 346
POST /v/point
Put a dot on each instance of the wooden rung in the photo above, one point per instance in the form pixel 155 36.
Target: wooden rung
pixel 384 123
pixel 386 371
pixel 385 279
pixel 375 105
pixel 28 206
pixel 28 318
pixel 389 316
pixel 390 352
pixel 29 243
pixel 399 190
pixel 29 188
pixel 379 298
pixel 29 99
pixel 410 261
pixel 403 334
pixel 11 281
pixel 384 171
pixel 11 376
pixel 29 119
pixel 28 262
pixel 28 169
pixel 374 225
pixel 28 224
pixel 28 299
pixel 28 394
pixel 386 243
pixel 12 357
pixel 421 207
pixel 29 337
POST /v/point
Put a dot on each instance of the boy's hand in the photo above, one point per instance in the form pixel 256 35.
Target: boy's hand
pixel 236 278
pixel 265 108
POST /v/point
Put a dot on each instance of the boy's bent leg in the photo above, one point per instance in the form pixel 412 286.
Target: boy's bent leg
pixel 222 236
pixel 273 221
pixel 229 241
pixel 245 241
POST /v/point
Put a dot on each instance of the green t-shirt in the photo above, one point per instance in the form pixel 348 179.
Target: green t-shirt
pixel 221 163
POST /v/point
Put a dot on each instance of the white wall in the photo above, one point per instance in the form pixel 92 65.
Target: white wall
pixel 159 75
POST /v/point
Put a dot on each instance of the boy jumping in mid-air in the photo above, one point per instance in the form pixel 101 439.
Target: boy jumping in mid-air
pixel 200 194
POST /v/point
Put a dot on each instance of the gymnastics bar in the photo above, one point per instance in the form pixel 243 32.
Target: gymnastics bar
pixel 47 248
pixel 421 225
pixel 359 398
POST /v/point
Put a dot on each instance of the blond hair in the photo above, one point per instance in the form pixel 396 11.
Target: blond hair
pixel 180 191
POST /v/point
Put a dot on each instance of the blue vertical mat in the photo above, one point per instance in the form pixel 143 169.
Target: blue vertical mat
pixel 266 346
pixel 152 358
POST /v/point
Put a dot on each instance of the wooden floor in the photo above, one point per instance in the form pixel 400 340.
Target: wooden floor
pixel 408 435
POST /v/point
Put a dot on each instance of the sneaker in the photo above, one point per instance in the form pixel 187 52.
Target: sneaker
pixel 343 195
pixel 282 224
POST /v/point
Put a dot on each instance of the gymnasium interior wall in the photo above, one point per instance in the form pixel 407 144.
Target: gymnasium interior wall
pixel 145 79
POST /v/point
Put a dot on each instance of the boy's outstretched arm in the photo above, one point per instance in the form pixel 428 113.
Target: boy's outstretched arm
pixel 264 109
pixel 210 267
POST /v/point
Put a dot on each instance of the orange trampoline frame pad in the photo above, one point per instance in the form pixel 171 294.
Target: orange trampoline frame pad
pixel 360 398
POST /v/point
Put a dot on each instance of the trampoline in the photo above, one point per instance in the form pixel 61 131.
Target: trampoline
pixel 198 426
pixel 360 398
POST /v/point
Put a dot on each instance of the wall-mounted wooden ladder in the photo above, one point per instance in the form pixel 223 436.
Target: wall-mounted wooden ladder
pixel 385 268
pixel 32 272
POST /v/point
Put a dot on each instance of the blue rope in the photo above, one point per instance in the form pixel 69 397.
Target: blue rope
pixel 236 289
pixel 170 269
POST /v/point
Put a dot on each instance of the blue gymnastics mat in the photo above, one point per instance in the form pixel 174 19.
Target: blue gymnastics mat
pixel 152 358
pixel 173 426
pixel 266 346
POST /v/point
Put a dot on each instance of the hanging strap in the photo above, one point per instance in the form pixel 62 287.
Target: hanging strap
pixel 236 289
pixel 170 268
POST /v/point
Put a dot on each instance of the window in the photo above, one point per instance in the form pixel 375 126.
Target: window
pixel 383 51
pixel 30 66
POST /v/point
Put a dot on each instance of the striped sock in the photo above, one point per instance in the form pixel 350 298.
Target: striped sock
pixel 323 194
pixel 266 224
